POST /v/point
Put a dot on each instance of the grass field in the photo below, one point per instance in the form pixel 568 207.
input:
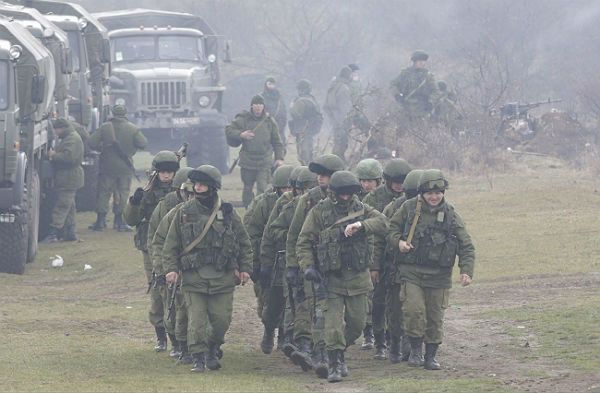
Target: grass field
pixel 529 322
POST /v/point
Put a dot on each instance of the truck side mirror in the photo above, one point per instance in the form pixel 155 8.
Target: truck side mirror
pixel 38 89
pixel 67 63
pixel 105 51
pixel 227 55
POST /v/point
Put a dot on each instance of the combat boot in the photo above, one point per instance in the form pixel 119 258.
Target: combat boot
pixel 69 233
pixel 343 366
pixel 212 358
pixel 320 361
pixel 416 352
pixel 199 362
pixel 100 223
pixel 184 357
pixel 335 372
pixel 175 348
pixel 430 362
pixel 288 346
pixel 161 339
pixel 119 225
pixel 368 339
pixel 51 237
pixel 301 357
pixel 267 343
pixel 405 348
pixel 380 346
pixel 395 355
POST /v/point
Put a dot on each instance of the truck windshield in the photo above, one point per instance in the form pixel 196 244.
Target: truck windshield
pixel 163 47
pixel 74 37
pixel 3 85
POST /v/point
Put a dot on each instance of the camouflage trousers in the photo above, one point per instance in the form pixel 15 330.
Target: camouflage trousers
pixel 273 307
pixel 309 316
pixel 305 148
pixel 116 186
pixel 378 307
pixel 423 311
pixel 63 212
pixel 156 311
pixel 209 317
pixel 179 317
pixel 251 176
pixel 345 319
pixel 394 310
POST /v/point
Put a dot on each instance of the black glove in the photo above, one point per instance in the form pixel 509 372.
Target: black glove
pixel 292 276
pixel 312 274
pixel 137 196
pixel 265 276
pixel 161 280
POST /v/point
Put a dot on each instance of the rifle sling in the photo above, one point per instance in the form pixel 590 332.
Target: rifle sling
pixel 413 226
pixel 237 160
pixel 349 217
pixel 416 88
pixel 209 223
pixel 120 153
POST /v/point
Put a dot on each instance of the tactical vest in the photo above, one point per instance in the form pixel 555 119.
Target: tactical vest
pixel 335 251
pixel 219 248
pixel 434 245
pixel 148 204
pixel 313 197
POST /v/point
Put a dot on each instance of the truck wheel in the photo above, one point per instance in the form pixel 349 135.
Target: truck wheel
pixel 14 241
pixel 34 222
pixel 85 199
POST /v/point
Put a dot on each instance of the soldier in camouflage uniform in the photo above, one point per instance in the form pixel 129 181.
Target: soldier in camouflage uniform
pixel 308 320
pixel 165 205
pixel 117 141
pixel 256 131
pixel 68 178
pixel 415 88
pixel 137 213
pixel 255 221
pixel 399 343
pixel 306 121
pixel 208 246
pixel 335 252
pixel 338 108
pixel 425 263
pixel 275 106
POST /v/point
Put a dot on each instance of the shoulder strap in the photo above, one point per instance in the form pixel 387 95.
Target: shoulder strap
pixel 349 217
pixel 210 221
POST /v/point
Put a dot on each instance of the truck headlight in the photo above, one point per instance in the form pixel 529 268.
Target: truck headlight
pixel 212 58
pixel 120 101
pixel 204 101
pixel 15 52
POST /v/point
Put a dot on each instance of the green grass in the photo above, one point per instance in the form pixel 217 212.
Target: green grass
pixel 449 385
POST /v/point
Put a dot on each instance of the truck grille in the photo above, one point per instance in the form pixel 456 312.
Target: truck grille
pixel 163 93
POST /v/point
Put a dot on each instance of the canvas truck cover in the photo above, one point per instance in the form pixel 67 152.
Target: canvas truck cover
pixel 55 44
pixel 134 18
pixel 35 60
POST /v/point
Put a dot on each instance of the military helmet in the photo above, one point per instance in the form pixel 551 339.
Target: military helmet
pixel 369 169
pixel 304 86
pixel 257 99
pixel 206 174
pixel 61 122
pixel 344 182
pixel 326 164
pixel 432 180
pixel 119 110
pixel 306 179
pixel 165 161
pixel 281 176
pixel 294 176
pixel 419 55
pixel 181 176
pixel 396 170
pixel 411 182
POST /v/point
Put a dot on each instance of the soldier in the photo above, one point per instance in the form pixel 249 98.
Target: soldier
pixel 275 106
pixel 137 213
pixel 306 121
pixel 117 141
pixel 68 178
pixel 399 343
pixel 369 173
pixel 163 207
pixel 334 251
pixel 255 220
pixel 209 245
pixel 308 321
pixel 338 107
pixel 258 134
pixel 429 234
pixel 415 88
pixel 445 110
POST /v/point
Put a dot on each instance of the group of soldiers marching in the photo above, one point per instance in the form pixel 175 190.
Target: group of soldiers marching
pixel 332 254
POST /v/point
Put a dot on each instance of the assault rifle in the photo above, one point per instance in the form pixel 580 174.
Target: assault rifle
pixel 182 152
pixel 520 109
pixel 171 310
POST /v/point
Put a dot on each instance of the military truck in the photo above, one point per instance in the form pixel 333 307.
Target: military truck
pixel 88 104
pixel 26 101
pixel 166 71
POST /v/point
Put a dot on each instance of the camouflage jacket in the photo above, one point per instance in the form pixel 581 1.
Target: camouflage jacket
pixel 155 246
pixel 66 162
pixel 271 243
pixel 416 89
pixel 163 207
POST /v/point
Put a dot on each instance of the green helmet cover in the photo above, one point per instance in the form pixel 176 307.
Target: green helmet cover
pixel 165 161
pixel 396 170
pixel 207 174
pixel 419 55
pixel 327 164
pixel 432 180
pixel 369 169
pixel 411 182
pixel 281 176
pixel 344 182
pixel 119 110
pixel 181 176
pixel 294 175
pixel 306 179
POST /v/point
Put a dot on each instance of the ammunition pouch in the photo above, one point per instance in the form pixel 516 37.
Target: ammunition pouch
pixel 335 251
pixel 219 248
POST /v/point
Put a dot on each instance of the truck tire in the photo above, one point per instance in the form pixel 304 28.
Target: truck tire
pixel 34 216
pixel 208 146
pixel 85 199
pixel 14 241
